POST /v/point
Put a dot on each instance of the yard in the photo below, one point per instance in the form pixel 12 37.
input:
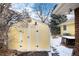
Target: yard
pixel 57 49
pixel 23 15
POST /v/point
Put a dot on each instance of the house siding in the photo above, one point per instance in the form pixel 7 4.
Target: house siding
pixel 70 28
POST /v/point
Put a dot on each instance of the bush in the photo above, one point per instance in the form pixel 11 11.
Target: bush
pixel 67 34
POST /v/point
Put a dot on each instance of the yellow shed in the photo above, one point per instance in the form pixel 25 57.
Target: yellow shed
pixel 29 36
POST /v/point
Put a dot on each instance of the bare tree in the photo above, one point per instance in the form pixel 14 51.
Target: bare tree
pixel 40 11
pixel 6 15
pixel 25 13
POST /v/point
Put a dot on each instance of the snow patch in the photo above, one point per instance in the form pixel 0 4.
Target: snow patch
pixel 62 50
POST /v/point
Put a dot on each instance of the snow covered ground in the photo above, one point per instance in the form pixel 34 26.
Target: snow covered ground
pixel 61 50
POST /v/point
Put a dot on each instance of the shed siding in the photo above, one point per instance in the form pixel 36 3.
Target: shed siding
pixel 31 41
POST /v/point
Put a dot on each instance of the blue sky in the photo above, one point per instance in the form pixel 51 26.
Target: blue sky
pixel 44 6
pixel 21 6
pixel 32 6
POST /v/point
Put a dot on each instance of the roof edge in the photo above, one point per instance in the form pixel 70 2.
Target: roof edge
pixel 58 8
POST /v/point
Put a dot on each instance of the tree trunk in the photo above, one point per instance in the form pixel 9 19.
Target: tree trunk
pixel 4 36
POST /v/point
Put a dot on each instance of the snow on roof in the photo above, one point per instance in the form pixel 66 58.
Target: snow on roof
pixel 69 37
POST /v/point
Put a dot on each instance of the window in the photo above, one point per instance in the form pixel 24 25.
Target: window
pixel 64 27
